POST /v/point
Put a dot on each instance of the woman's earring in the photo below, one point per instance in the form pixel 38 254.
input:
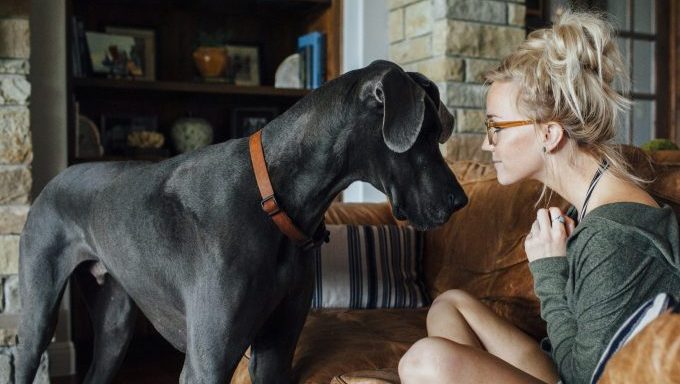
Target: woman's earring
pixel 544 150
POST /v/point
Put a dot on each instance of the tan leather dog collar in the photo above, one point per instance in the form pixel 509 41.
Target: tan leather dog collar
pixel 271 206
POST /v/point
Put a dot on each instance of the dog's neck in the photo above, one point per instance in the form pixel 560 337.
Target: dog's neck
pixel 307 168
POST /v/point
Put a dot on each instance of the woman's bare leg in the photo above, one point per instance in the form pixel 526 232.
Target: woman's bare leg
pixel 459 317
pixel 436 360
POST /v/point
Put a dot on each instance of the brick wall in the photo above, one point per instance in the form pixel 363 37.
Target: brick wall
pixel 453 42
pixel 16 155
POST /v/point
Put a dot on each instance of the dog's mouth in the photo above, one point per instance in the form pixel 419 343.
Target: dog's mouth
pixel 419 213
pixel 428 213
pixel 422 221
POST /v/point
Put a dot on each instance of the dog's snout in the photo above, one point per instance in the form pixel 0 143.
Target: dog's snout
pixel 457 201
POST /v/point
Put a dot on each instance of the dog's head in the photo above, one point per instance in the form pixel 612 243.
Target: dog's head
pixel 402 120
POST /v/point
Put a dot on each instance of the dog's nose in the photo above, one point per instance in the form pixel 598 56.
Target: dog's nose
pixel 457 202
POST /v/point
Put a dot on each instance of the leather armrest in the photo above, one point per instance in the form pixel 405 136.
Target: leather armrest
pixel 361 214
pixel 652 356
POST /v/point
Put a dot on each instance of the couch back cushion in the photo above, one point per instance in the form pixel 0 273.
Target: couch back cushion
pixel 481 248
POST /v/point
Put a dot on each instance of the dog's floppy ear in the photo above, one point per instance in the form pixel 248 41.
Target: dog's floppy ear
pixel 404 109
pixel 446 119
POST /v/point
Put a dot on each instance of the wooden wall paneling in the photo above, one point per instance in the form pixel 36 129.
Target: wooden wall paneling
pixel 330 21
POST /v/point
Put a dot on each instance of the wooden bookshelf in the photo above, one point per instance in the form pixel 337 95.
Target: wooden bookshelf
pixel 178 91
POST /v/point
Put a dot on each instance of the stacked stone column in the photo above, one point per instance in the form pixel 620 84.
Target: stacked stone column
pixel 453 42
pixel 15 171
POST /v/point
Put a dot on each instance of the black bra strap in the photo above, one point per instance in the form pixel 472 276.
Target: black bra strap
pixel 598 175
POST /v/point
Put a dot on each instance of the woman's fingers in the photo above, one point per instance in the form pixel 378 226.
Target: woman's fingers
pixel 543 218
pixel 558 221
pixel 548 236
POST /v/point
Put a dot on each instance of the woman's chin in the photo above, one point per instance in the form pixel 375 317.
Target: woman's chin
pixel 502 177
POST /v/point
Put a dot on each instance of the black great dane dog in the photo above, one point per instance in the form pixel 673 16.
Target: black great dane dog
pixel 186 240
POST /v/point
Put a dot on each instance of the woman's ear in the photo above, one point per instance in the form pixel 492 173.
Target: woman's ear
pixel 553 135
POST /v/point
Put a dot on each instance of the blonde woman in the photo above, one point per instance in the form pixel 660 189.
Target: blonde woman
pixel 552 110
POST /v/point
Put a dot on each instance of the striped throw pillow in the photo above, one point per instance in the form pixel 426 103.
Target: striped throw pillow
pixel 366 266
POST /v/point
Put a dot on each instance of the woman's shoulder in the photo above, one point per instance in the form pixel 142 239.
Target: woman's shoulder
pixel 626 226
pixel 623 223
pixel 618 215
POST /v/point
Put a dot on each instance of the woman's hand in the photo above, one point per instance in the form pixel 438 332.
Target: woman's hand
pixel 548 236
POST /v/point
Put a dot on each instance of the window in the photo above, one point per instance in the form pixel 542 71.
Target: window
pixel 645 41
pixel 635 21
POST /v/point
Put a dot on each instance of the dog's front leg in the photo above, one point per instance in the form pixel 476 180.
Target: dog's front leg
pixel 218 331
pixel 274 345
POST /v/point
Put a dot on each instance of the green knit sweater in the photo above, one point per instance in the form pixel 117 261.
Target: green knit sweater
pixel 618 257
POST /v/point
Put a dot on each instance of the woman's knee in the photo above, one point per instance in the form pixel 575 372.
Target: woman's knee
pixel 454 297
pixel 445 302
pixel 431 360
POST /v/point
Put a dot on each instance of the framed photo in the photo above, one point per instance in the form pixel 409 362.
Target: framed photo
pixel 115 55
pixel 246 121
pixel 145 41
pixel 244 64
pixel 115 129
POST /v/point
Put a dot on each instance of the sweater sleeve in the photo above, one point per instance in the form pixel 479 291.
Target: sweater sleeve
pixel 605 282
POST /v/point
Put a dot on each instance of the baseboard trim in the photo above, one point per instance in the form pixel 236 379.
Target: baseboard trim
pixel 62 357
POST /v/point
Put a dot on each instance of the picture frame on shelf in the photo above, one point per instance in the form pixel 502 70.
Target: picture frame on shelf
pixel 244 64
pixel 113 55
pixel 145 40
pixel 248 120
pixel 115 128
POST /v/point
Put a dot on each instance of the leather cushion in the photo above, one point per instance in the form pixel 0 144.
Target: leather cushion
pixel 378 376
pixel 335 342
pixel 481 248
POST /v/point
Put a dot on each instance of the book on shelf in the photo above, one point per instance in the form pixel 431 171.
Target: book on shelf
pixel 312 48
pixel 80 52
pixel 75 49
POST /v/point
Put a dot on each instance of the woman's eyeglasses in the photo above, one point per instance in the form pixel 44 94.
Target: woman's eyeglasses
pixel 492 127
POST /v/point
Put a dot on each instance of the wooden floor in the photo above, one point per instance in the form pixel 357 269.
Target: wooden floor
pixel 149 362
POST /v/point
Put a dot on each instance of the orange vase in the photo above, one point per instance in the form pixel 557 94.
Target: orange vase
pixel 211 61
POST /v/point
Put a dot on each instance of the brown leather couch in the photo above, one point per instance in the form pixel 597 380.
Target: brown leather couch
pixel 479 250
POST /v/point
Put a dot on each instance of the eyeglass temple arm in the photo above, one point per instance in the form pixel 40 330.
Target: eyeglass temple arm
pixel 508 124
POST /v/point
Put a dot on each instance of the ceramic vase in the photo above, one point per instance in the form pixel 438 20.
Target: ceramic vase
pixel 190 133
pixel 211 61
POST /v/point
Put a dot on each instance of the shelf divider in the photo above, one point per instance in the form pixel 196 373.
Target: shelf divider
pixel 184 87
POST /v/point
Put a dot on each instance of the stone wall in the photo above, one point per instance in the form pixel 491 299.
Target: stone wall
pixel 15 171
pixel 453 42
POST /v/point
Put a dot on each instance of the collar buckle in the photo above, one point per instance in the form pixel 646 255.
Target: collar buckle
pixel 270 205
